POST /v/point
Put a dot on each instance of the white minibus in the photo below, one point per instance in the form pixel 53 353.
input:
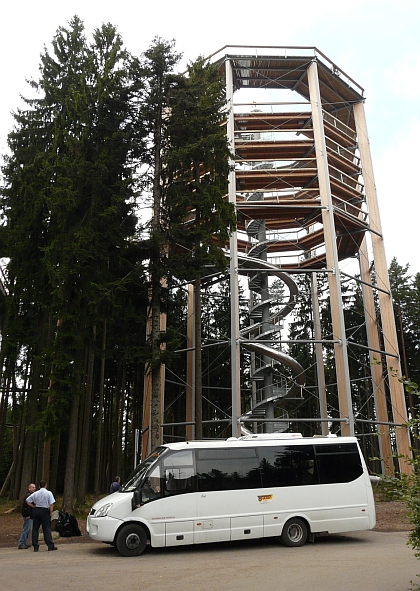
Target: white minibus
pixel 279 485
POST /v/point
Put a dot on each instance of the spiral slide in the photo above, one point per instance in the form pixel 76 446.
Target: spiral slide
pixel 266 325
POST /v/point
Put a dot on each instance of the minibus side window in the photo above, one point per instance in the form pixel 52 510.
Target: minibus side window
pixel 150 490
pixel 179 480
pixel 179 473
pixel 288 465
pixel 227 469
pixel 339 462
pixel 137 476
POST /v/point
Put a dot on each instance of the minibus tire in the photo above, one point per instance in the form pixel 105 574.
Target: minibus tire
pixel 295 532
pixel 131 540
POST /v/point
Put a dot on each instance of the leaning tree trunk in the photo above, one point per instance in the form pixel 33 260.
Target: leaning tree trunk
pixel 6 483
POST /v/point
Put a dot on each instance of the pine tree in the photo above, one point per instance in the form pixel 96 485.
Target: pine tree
pixel 413 336
pixel 158 72
pixel 405 294
pixel 201 219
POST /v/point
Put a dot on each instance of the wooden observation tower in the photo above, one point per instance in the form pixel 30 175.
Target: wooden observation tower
pixel 303 186
pixel 306 202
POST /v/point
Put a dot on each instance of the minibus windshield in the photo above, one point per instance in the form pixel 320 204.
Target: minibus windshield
pixel 139 473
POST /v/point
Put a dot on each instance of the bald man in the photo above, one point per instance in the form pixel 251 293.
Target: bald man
pixel 27 519
pixel 42 502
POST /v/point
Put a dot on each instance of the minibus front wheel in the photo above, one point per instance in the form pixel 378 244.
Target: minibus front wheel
pixel 131 540
pixel 295 532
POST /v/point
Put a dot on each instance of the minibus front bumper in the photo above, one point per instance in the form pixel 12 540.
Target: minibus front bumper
pixel 102 529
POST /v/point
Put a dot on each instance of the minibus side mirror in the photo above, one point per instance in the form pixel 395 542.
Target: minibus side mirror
pixel 136 499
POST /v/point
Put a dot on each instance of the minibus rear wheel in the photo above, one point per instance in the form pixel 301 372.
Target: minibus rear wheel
pixel 131 540
pixel 295 532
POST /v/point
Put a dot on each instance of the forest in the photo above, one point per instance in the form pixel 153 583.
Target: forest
pixel 102 171
pixel 106 218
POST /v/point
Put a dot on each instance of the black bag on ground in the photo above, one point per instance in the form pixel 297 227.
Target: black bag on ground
pixel 74 526
pixel 67 525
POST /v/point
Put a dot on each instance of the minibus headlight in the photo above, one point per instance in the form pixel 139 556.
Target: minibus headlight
pixel 103 510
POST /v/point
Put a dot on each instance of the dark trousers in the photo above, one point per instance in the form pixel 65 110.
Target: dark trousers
pixel 42 517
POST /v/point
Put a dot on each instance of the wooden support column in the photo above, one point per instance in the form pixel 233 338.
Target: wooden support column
pixel 385 301
pixel 147 391
pixel 337 316
pixel 163 320
pixel 147 394
pixel 234 287
pixel 190 386
pixel 320 373
pixel 378 385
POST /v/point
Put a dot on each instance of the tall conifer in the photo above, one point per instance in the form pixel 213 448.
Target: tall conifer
pixel 201 219
pixel 158 68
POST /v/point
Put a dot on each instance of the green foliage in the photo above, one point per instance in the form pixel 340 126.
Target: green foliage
pixel 406 296
pixel 412 499
pixel 201 219
pixel 407 487
pixel 391 488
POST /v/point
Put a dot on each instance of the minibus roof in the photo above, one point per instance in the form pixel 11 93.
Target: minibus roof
pixel 258 441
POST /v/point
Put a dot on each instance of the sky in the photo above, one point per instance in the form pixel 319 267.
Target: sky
pixel 375 42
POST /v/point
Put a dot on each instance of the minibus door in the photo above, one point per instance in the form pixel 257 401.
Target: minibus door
pixel 179 498
pixel 210 526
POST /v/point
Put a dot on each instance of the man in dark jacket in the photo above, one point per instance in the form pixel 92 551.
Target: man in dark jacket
pixel 27 519
pixel 115 486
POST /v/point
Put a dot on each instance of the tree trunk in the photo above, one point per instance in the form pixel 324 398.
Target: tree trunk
pixel 155 403
pixel 68 493
pixel 4 403
pixel 156 389
pixel 29 447
pixel 3 415
pixel 6 483
pixel 46 460
pixel 4 391
pixel 86 428
pixel 54 462
pixel 120 422
pixel 98 461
